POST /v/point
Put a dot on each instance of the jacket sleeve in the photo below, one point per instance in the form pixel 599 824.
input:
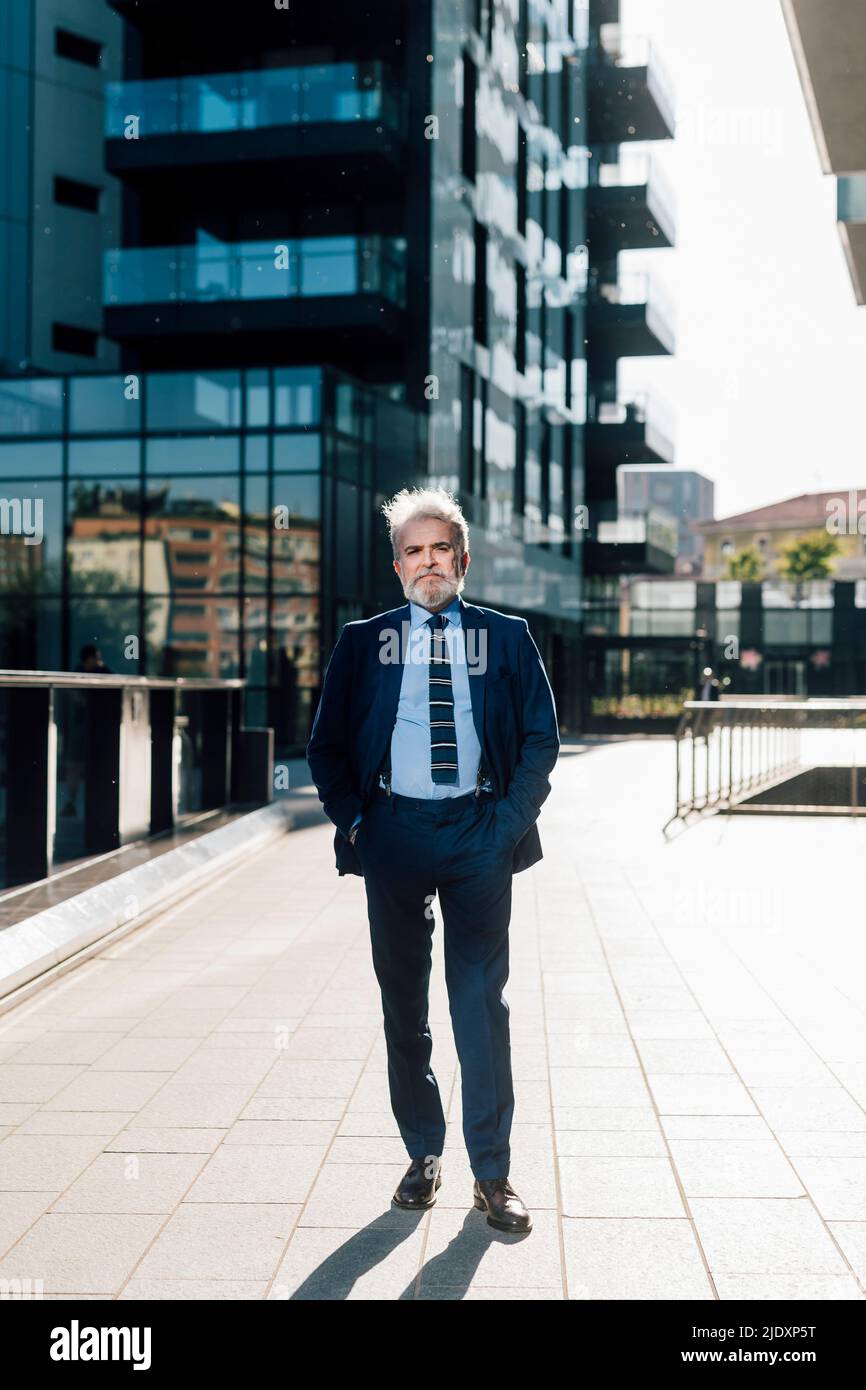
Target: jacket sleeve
pixel 530 784
pixel 328 748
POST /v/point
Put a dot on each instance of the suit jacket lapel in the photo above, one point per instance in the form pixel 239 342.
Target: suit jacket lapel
pixel 477 654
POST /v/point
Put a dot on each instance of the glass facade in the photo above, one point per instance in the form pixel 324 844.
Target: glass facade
pixel 508 172
pixel 16 78
pixel 176 520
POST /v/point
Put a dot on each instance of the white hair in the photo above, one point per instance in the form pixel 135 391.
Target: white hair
pixel 421 504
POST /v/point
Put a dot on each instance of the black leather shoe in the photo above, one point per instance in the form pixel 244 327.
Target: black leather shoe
pixel 416 1189
pixel 504 1208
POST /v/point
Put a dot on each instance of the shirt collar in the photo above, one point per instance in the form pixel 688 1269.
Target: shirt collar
pixel 420 615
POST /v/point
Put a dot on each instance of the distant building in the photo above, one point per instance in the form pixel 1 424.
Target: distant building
pixel 685 495
pixel 769 529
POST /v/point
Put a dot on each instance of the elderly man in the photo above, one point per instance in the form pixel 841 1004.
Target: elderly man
pixel 431 750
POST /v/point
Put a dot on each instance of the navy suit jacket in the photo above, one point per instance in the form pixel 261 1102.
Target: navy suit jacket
pixel 512 707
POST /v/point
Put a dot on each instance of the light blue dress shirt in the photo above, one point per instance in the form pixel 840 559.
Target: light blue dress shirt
pixel 410 741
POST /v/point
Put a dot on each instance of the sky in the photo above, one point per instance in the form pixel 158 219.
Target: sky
pixel 768 386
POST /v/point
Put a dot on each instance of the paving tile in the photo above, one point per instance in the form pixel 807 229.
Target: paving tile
pixel 202 1103
pixel 619 1187
pixel 194 1290
pixel 837 1186
pixel 260 1173
pixel 18 1211
pixel 34 1082
pixel 787 1288
pixel 700 1094
pixel 751 1236
pixel 634 1260
pixel 734 1168
pixel 107 1090
pixel 241 1241
pixel 43 1163
pixel 88 1254
pixel 125 1183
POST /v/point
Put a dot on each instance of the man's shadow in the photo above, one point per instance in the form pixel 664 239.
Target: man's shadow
pixel 447 1275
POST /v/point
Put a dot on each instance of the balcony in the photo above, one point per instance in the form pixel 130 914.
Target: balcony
pixel 630 94
pixel 851 216
pixel 246 120
pixel 632 428
pixel 628 317
pixel 631 205
pixel 633 545
pixel 316 284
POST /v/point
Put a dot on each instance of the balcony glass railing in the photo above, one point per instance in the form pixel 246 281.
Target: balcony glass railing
pixel 636 51
pixel 641 407
pixel 333 92
pixel 637 169
pixel 633 287
pixel 214 270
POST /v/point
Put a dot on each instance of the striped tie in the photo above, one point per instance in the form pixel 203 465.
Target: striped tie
pixel 443 730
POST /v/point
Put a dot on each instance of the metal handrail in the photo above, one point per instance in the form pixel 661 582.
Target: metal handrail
pixel 78 680
pixel 713 773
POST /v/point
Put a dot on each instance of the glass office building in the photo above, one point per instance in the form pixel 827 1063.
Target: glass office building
pixel 335 258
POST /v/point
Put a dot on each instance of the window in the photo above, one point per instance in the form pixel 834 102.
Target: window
pixel 71 193
pixel 77 48
pixel 467 448
pixel 522 172
pixel 520 345
pixel 520 460
pixel 470 80
pixel 65 337
pixel 480 305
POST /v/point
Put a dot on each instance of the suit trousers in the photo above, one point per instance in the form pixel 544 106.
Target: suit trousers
pixel 410 849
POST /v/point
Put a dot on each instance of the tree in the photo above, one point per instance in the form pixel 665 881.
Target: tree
pixel 808 557
pixel 805 558
pixel 747 565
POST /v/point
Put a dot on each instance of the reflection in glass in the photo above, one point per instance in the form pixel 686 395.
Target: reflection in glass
pixel 296 548
pixel 257 528
pixel 255 99
pixel 189 636
pixel 104 404
pixel 192 530
pixel 106 623
pixel 103 539
pixel 217 270
pixel 193 400
pixel 295 627
pixel 297 396
pixel 30 555
pixel 213 455
pixel 104 457
pixel 300 452
pixel 31 407
pixel 29 633
pixel 31 461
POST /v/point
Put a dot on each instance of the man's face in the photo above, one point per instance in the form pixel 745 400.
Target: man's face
pixel 427 567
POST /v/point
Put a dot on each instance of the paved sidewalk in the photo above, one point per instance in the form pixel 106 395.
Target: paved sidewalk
pixel 202 1110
